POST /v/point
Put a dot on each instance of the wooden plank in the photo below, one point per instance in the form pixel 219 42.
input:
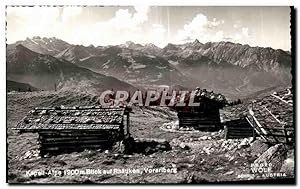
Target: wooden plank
pixel 257 129
pixel 230 131
pixel 75 142
pixel 55 135
pixel 280 128
pixel 73 148
pixel 75 138
pixel 78 132
pixel 240 128
pixel 199 123
pixel 226 132
pixel 238 136
pixel 281 99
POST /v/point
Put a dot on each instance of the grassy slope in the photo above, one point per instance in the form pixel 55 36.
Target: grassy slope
pixel 193 164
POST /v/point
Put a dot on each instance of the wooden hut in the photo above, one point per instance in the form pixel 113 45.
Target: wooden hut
pixel 269 116
pixel 205 116
pixel 272 117
pixel 64 129
pixel 235 123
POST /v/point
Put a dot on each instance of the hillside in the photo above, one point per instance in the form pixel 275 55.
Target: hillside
pixel 18 86
pixel 45 71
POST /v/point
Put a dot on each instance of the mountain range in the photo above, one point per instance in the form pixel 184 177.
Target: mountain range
pixel 46 72
pixel 230 68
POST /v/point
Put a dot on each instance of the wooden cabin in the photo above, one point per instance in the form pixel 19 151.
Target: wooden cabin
pixel 272 117
pixel 269 117
pixel 205 116
pixel 64 129
pixel 234 122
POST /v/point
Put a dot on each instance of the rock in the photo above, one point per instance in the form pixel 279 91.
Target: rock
pixel 184 146
pixel 231 158
pixel 148 150
pixel 258 147
pixel 43 112
pixel 77 114
pixel 288 166
pixel 176 125
pixel 206 150
pixel 274 155
pixel 203 138
pixel 244 143
pixel 229 173
pixel 27 155
pixel 251 139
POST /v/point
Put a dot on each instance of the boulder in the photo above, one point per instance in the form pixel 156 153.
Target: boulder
pixel 244 143
pixel 203 138
pixel 274 155
pixel 288 166
pixel 258 148
pixel 184 146
pixel 229 173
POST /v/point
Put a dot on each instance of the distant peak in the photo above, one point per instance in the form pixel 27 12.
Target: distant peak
pixel 196 41
pixel 129 43
pixel 171 46
pixel 150 45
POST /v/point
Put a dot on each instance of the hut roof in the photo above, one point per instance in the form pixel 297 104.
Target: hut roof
pixel 218 97
pixel 72 118
pixel 231 113
pixel 274 110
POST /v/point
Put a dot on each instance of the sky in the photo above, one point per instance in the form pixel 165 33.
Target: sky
pixel 160 25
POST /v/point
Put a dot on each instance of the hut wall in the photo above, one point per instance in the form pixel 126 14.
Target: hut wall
pixel 200 121
pixel 238 129
pixel 56 142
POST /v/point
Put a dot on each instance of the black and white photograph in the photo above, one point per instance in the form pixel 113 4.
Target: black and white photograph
pixel 150 94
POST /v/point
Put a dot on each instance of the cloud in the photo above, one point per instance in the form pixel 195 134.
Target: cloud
pixel 242 36
pixel 32 21
pixel 235 25
pixel 125 26
pixel 141 14
pixel 69 13
pixel 219 36
pixel 200 28
pixel 157 35
pixel 215 23
pixel 205 30
pixel 245 32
